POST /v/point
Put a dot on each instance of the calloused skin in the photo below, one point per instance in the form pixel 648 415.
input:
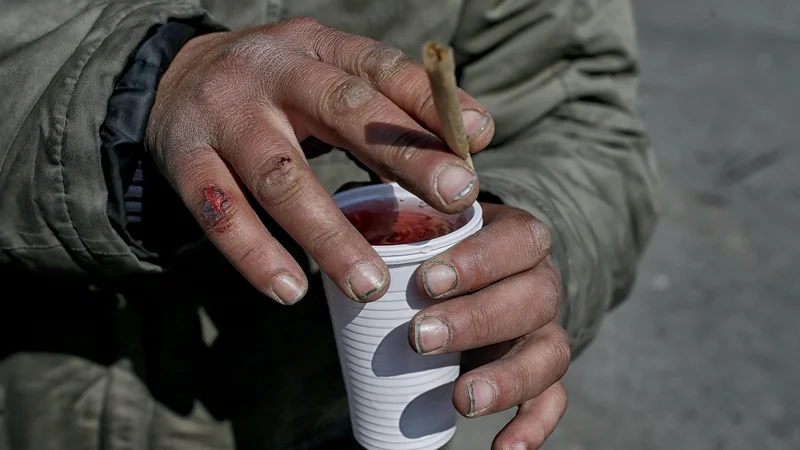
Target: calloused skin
pixel 228 122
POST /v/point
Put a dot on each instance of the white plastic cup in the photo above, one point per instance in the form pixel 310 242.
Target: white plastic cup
pixel 398 399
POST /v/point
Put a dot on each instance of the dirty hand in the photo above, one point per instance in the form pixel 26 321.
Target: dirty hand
pixel 229 117
pixel 502 296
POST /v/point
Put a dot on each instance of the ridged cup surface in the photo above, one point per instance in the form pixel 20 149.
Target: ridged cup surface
pixel 398 399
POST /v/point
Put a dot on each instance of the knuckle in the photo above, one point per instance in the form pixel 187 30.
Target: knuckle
pixel 559 354
pixel 305 33
pixel 560 396
pixel 256 52
pixel 302 23
pixel 382 62
pixel 481 328
pixel 345 95
pixel 426 106
pixel 550 296
pixel 522 382
pixel 534 233
pixel 250 256
pixel 279 180
pixel 323 40
pixel 404 155
pixel 477 261
pixel 248 49
pixel 328 240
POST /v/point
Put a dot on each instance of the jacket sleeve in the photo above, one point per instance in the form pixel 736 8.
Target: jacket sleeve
pixel 59 61
pixel 559 77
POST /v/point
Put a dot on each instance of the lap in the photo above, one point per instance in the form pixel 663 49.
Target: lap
pixel 58 401
pixel 134 373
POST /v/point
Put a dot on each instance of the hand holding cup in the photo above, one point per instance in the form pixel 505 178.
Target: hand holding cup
pixel 497 297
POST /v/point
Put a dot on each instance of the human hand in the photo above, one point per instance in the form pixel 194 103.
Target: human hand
pixel 229 117
pixel 502 296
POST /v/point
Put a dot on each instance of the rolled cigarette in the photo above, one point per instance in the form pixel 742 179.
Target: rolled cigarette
pixel 441 68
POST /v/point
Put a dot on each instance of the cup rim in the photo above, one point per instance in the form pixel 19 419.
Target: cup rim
pixel 415 250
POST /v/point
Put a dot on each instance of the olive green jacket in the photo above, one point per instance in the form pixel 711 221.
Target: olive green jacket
pixel 558 76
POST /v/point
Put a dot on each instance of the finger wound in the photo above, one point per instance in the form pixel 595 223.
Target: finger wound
pixel 216 211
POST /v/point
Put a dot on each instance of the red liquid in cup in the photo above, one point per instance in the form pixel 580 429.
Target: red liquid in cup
pixel 384 222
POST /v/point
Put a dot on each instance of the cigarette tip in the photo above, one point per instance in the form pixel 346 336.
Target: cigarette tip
pixel 436 50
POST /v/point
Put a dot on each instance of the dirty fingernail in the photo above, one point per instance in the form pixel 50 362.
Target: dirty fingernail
pixel 365 280
pixel 432 335
pixel 454 182
pixel 439 279
pixel 474 122
pixel 286 289
pixel 481 396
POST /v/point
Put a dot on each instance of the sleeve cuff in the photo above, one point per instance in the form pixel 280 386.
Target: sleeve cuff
pixel 123 130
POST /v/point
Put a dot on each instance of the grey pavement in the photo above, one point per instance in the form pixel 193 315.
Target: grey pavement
pixel 705 355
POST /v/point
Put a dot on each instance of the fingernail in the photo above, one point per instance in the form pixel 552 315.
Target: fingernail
pixel 481 396
pixel 454 182
pixel 432 335
pixel 518 446
pixel 365 280
pixel 474 122
pixel 286 289
pixel 439 279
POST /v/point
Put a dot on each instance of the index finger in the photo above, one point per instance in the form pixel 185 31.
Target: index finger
pixel 402 80
pixel 272 168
